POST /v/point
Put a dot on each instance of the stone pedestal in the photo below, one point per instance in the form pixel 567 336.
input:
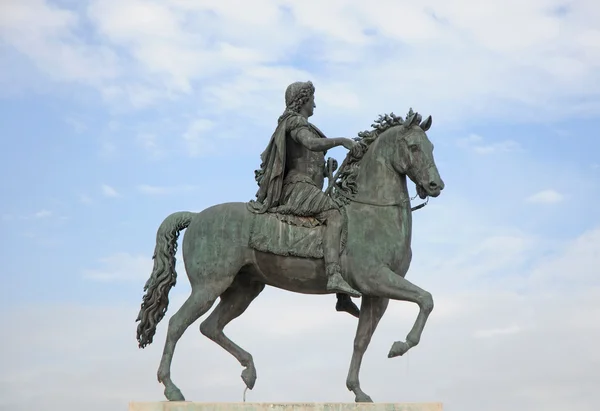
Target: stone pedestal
pixel 249 406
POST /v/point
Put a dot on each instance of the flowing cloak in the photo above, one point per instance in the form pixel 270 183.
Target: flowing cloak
pixel 272 170
pixel 271 175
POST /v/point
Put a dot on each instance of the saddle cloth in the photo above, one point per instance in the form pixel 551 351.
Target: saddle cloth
pixel 288 235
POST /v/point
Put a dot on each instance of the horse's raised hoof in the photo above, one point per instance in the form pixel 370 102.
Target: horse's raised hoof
pixel 399 348
pixel 174 394
pixel 344 303
pixel 249 377
pixel 362 397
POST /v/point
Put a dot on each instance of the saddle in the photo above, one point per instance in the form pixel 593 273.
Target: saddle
pixel 290 235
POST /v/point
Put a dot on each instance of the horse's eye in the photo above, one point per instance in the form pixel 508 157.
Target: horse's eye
pixel 414 148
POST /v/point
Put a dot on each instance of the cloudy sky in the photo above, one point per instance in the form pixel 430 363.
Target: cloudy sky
pixel 115 113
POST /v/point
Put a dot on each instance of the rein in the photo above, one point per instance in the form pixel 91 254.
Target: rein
pixel 398 203
pixel 420 206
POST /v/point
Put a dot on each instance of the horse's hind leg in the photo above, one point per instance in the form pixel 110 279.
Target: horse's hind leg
pixel 233 303
pixel 197 304
pixel 371 311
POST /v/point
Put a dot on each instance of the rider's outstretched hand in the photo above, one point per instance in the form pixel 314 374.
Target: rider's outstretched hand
pixel 358 150
pixel 349 143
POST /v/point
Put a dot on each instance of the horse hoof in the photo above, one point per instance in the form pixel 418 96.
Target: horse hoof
pixel 399 348
pixel 174 394
pixel 249 377
pixel 363 398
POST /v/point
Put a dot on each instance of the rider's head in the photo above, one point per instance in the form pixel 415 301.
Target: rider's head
pixel 300 98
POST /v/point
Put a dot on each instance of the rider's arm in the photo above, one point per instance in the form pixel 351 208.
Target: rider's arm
pixel 306 137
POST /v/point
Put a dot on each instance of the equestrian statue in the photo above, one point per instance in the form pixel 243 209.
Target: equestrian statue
pixel 352 240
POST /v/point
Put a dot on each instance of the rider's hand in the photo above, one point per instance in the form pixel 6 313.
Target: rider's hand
pixel 349 143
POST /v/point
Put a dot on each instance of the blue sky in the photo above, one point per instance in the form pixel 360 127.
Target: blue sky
pixel 114 114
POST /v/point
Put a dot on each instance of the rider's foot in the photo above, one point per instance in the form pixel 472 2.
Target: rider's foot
pixel 344 303
pixel 336 284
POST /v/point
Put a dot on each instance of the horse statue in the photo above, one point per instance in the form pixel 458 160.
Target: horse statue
pixel 232 253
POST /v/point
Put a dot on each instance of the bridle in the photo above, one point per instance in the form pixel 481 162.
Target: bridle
pixel 396 204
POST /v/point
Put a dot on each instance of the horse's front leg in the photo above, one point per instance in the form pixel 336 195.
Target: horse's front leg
pixel 371 311
pixel 386 283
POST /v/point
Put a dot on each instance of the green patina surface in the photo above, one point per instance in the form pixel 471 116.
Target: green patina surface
pixel 368 253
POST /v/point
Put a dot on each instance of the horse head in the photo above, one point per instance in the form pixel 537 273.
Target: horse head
pixel 414 155
pixel 405 147
pixel 393 149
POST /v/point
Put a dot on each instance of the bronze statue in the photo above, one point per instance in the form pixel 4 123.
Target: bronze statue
pixel 291 180
pixel 290 236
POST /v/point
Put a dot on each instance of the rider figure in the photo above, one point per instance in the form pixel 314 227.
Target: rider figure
pixel 291 181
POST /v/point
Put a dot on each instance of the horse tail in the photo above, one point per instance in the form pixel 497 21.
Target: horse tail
pixel 156 300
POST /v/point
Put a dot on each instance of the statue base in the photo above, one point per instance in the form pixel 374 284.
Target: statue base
pixel 249 406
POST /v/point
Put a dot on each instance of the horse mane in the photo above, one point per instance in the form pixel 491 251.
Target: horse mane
pixel 345 184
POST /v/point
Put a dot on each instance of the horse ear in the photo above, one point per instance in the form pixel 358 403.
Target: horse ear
pixel 412 120
pixel 426 124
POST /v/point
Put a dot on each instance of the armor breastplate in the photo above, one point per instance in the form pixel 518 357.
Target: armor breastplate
pixel 300 160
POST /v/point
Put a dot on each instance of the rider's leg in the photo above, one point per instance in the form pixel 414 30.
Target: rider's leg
pixel 331 251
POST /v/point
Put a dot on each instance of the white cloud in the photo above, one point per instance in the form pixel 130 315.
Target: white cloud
pixel 476 143
pixel 546 197
pixel 78 125
pixel 197 137
pixel 38 215
pixel 337 95
pixel 503 146
pixel 576 267
pixel 121 267
pixel 474 337
pixel 108 148
pixel 109 191
pixel 47 35
pixel 153 190
pixel 163 190
pixel 147 52
pixel 149 143
pixel 43 214
pixel 493 332
pixel 85 199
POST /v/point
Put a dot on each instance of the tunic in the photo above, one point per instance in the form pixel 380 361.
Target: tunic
pixel 292 176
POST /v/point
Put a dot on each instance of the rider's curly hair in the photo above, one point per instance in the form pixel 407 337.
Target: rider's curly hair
pixel 296 95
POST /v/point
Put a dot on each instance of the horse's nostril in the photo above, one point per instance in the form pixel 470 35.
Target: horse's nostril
pixel 433 185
